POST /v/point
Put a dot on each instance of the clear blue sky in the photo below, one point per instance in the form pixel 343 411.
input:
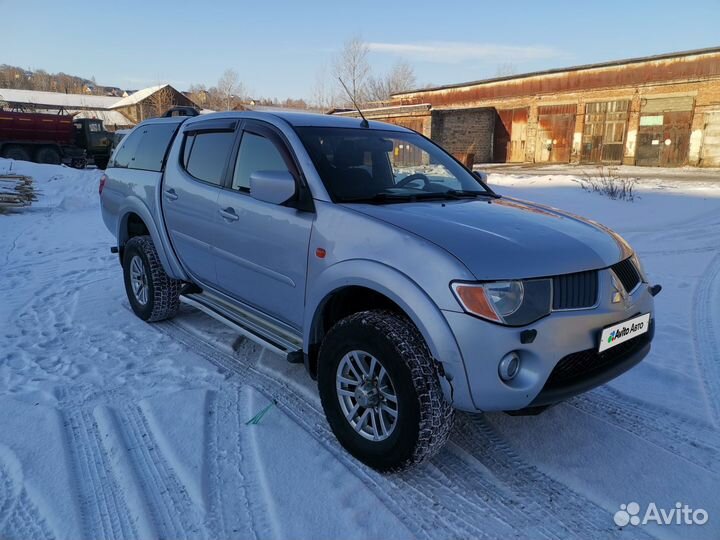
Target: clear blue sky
pixel 278 47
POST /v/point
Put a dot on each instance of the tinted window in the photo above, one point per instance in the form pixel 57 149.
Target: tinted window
pixel 205 155
pixel 126 151
pixel 150 152
pixel 145 147
pixel 256 154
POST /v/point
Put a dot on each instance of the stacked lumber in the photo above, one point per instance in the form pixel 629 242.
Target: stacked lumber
pixel 16 191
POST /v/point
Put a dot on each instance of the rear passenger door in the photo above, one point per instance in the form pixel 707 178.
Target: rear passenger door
pixel 190 195
pixel 262 248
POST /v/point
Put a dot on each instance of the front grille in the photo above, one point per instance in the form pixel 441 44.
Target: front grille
pixel 584 364
pixel 627 274
pixel 575 291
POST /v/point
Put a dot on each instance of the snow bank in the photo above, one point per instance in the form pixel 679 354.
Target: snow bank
pixel 58 186
pixel 658 203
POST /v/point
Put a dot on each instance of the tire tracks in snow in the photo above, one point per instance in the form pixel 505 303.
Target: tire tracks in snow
pixel 705 322
pixel 25 521
pixel 477 437
pixel 19 517
pixel 172 511
pixel 419 522
pixel 127 488
pixel 228 470
pixel 103 507
pixel 441 499
pixel 687 438
pixel 682 251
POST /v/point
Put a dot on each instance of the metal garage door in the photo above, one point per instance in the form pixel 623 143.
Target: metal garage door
pixel 510 135
pixel 603 139
pixel 711 140
pixel 556 125
pixel 663 138
pixel 405 155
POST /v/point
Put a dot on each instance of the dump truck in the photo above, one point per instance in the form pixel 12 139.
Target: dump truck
pixel 54 139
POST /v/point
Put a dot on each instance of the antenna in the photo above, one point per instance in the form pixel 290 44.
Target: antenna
pixel 364 122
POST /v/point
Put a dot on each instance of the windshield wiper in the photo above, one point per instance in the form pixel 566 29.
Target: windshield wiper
pixel 462 194
pixel 381 198
pixel 453 194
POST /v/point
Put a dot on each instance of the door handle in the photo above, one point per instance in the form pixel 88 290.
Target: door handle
pixel 170 194
pixel 229 214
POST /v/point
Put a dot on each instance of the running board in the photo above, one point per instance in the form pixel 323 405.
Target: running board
pixel 251 326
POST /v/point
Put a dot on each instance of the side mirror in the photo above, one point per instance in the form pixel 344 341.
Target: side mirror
pixel 275 187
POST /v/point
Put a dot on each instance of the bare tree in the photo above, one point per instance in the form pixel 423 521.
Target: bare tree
pixel 198 94
pixel 353 68
pixel 229 88
pixel 324 94
pixel 159 102
pixel 41 80
pixel 401 78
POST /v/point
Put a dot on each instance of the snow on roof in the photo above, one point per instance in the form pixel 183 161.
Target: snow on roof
pixel 56 99
pixel 138 96
pixel 109 118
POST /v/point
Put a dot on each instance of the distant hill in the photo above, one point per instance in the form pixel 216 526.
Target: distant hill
pixel 39 79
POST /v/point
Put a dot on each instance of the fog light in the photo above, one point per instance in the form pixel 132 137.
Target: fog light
pixel 509 366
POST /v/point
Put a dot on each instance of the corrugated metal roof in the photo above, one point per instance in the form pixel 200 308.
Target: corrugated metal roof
pixel 57 99
pixel 109 118
pixel 612 63
pixel 138 96
pixel 390 109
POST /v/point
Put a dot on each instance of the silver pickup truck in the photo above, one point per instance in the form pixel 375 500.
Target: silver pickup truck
pixel 404 283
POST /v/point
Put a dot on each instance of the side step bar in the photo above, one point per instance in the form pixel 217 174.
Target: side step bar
pixel 251 326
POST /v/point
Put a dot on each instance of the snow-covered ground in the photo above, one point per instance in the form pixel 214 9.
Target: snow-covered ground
pixel 114 428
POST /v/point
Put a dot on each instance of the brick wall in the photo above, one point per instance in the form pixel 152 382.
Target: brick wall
pixel 462 132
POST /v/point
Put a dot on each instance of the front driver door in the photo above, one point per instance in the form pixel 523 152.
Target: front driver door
pixel 261 249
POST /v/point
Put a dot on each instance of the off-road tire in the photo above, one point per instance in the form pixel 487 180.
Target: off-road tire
pixel 47 155
pixel 425 418
pixel 16 152
pixel 163 294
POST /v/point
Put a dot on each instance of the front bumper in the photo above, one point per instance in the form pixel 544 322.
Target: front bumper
pixel 567 340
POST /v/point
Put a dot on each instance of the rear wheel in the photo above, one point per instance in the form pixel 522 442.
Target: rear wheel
pixel 48 155
pixel 15 151
pixel 153 295
pixel 380 390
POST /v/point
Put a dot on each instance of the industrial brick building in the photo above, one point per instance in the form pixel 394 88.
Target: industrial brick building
pixel 654 111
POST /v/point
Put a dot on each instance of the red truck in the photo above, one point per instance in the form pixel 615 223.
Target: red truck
pixel 53 138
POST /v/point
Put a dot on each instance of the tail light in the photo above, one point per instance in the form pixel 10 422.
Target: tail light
pixel 101 186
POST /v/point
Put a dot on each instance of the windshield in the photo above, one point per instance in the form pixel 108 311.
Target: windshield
pixel 372 165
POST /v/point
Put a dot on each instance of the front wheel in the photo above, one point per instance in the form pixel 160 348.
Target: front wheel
pixel 153 295
pixel 380 390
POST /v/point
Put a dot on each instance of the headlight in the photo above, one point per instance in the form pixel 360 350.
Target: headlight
pixel 639 267
pixel 514 303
